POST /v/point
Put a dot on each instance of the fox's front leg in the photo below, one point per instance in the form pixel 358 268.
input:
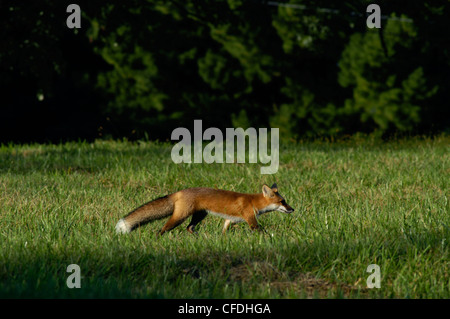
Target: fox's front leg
pixel 251 221
pixel 226 225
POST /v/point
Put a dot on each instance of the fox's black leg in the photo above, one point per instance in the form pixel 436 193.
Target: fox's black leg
pixel 196 218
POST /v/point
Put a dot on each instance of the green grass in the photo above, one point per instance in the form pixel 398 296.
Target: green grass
pixel 358 202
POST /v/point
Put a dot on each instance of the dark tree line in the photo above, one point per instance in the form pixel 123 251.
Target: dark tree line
pixel 139 69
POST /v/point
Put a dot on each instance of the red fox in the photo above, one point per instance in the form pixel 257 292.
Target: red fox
pixel 198 202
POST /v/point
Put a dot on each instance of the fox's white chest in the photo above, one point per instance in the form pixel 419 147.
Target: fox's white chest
pixel 267 209
pixel 236 219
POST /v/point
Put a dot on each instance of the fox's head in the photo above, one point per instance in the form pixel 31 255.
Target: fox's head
pixel 275 200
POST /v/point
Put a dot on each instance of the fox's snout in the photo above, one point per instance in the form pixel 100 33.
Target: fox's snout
pixel 285 209
pixel 289 210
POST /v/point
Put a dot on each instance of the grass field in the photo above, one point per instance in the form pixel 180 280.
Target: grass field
pixel 357 202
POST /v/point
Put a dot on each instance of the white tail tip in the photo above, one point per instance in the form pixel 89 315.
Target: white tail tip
pixel 122 227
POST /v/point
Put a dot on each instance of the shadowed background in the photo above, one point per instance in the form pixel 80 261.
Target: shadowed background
pixel 142 68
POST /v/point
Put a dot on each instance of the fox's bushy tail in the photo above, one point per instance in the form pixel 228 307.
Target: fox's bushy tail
pixel 153 210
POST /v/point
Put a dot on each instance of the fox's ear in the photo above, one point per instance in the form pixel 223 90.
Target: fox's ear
pixel 267 191
pixel 275 187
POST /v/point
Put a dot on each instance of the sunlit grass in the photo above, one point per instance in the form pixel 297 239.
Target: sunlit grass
pixel 357 203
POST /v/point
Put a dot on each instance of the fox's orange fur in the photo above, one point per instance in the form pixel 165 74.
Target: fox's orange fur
pixel 198 202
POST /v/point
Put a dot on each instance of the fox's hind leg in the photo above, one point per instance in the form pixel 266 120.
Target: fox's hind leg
pixel 180 214
pixel 171 224
pixel 196 218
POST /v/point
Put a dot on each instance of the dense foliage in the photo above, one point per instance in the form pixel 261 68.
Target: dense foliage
pixel 142 68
